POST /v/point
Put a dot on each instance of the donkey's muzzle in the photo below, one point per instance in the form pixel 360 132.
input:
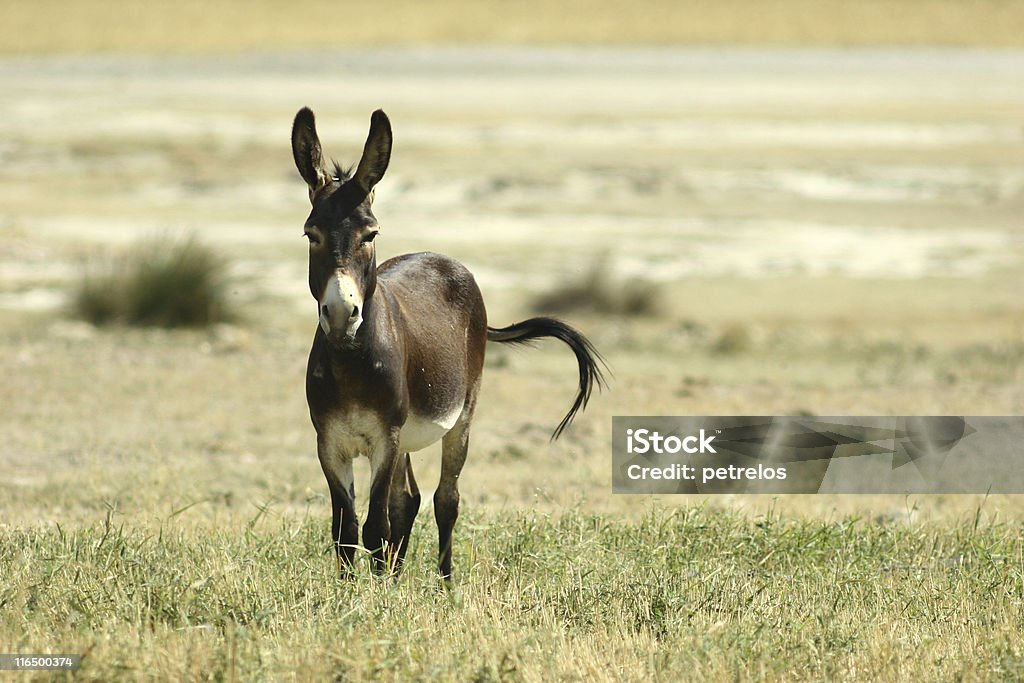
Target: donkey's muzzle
pixel 341 307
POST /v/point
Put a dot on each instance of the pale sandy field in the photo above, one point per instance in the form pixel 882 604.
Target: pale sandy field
pixel 828 231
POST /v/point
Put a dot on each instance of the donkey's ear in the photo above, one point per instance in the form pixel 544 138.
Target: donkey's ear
pixel 306 150
pixel 376 153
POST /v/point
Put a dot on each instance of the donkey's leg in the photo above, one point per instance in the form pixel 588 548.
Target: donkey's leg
pixel 344 523
pixel 377 529
pixel 403 506
pixel 454 447
pixel 344 528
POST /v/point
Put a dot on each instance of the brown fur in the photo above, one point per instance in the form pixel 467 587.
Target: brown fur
pixel 410 373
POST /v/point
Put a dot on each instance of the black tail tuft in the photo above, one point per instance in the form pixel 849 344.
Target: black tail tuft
pixel 589 360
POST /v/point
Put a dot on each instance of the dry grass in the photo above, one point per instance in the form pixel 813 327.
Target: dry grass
pixel 167 518
pixel 189 26
pixel 163 511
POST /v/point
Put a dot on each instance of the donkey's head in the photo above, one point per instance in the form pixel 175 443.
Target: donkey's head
pixel 341 227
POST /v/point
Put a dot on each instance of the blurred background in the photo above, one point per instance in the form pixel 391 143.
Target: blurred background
pixel 774 207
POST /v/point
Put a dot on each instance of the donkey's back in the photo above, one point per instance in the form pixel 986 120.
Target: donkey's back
pixel 435 301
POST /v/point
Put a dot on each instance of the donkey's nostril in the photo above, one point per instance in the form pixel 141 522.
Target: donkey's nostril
pixel 355 312
pixel 326 311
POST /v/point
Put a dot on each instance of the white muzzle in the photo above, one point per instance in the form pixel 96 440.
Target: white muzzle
pixel 341 306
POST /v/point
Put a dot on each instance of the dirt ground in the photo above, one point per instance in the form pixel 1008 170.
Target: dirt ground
pixel 824 231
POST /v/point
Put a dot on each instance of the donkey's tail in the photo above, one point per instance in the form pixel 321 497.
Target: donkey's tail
pixel 589 360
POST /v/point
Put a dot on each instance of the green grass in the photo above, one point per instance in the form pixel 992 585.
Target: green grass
pixel 688 593
pixel 159 282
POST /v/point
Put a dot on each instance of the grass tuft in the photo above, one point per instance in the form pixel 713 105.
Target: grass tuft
pixel 733 340
pixel 159 282
pixel 601 291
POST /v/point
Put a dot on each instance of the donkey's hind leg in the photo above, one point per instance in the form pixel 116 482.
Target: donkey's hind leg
pixel 454 447
pixel 403 505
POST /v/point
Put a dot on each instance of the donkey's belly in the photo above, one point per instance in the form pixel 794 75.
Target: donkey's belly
pixel 418 432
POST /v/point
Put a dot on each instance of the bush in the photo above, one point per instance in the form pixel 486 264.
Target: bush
pixel 734 340
pixel 599 291
pixel 159 282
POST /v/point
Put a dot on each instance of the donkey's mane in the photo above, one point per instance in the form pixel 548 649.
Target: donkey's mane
pixel 340 172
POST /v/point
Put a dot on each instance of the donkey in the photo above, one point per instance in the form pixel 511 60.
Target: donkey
pixel 397 357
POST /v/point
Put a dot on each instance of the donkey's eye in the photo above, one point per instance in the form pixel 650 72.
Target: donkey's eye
pixel 370 236
pixel 313 239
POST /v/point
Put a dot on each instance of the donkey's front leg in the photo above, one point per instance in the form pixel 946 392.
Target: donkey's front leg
pixel 344 524
pixel 403 507
pixel 344 527
pixel 377 529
